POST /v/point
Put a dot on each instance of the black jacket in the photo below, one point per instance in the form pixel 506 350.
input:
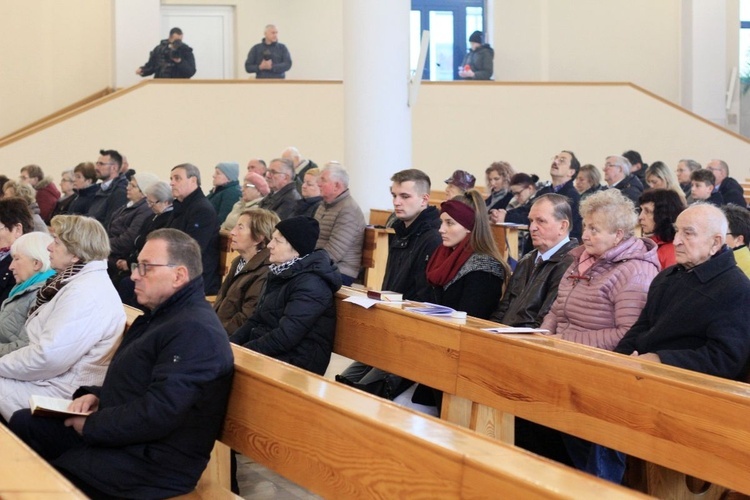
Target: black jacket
pixel 631 187
pixel 83 200
pixel 295 319
pixel 408 252
pixel 732 192
pixel 196 216
pixel 307 206
pixel 283 201
pixel 697 319
pixel 501 203
pixel 476 288
pixel 161 65
pixel 480 61
pixel 161 405
pixel 533 289
pixel 106 203
pixel 276 52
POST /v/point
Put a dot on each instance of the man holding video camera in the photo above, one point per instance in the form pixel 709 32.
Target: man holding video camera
pixel 269 58
pixel 170 59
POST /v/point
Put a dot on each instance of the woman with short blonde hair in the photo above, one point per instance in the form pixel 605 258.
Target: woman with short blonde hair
pixel 74 324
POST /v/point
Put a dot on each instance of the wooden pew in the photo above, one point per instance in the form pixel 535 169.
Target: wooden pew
pixel 679 419
pixel 375 256
pixel 746 188
pixel 341 443
pixel 379 217
pixel 24 474
pixel 226 254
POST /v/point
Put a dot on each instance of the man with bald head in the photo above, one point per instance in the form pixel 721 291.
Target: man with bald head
pixel 696 315
pixel 269 58
pixel 258 166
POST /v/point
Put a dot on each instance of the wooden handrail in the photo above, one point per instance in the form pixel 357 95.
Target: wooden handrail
pixel 676 418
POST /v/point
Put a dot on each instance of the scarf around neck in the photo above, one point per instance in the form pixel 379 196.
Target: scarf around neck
pixel 445 262
pixel 33 280
pixel 54 284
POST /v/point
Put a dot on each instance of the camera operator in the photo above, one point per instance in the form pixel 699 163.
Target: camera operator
pixel 269 58
pixel 170 59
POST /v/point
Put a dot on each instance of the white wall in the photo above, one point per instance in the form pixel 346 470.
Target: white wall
pixel 454 126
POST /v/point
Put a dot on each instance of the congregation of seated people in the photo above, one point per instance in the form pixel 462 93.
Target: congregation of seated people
pixel 613 258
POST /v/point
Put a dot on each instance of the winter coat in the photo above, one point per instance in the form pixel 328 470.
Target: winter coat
pixel 665 252
pixel 307 206
pixel 124 229
pixel 295 319
pixel 475 289
pixel 409 250
pixel 84 198
pixel 697 319
pixel 13 315
pixel 70 340
pixel 7 280
pixel 480 61
pixel 47 196
pixel 520 215
pixel 502 203
pixel 196 217
pixel 598 308
pixel 282 201
pixel 161 65
pixel 533 288
pixel 630 187
pixel 106 203
pixel 161 405
pixel 276 52
pixel 342 232
pixel 223 198
pixel 732 192
pixel 240 292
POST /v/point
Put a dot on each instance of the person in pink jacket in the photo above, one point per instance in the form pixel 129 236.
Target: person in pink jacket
pixel 604 290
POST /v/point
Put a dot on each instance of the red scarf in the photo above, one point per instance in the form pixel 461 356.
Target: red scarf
pixel 445 262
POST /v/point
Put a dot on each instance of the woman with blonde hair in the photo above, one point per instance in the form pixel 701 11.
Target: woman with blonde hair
pixel 31 268
pixel 659 176
pixel 241 289
pixel 74 324
pixel 498 176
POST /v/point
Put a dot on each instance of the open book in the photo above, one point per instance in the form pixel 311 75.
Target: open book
pixel 43 406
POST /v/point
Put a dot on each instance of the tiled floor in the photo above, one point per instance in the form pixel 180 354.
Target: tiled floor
pixel 258 483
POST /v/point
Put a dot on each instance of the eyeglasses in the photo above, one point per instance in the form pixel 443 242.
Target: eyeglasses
pixel 250 185
pixel 143 267
pixel 66 180
pixel 151 203
pixel 274 172
pixel 101 163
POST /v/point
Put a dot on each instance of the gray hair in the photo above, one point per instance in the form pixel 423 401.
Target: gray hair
pixel 182 250
pixel 592 173
pixel 190 171
pixel 293 152
pixel 161 191
pixel 337 172
pixel 618 211
pixel 691 164
pixel 623 163
pixel 560 207
pixel 286 164
pixel 34 246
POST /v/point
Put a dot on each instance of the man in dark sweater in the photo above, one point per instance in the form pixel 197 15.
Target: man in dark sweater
pixel 416 237
pixel 730 189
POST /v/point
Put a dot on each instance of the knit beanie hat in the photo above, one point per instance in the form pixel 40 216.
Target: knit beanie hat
pixel 301 232
pixel 259 182
pixel 145 180
pixel 476 37
pixel 230 169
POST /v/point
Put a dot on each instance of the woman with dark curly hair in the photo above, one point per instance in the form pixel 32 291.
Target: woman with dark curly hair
pixel 659 211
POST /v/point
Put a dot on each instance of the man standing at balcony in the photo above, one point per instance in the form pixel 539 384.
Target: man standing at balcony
pixel 170 59
pixel 269 58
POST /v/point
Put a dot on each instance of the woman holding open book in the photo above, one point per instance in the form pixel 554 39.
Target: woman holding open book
pixel 73 326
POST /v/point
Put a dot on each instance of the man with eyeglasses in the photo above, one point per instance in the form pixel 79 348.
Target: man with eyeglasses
pixel 112 191
pixel 730 189
pixel 164 397
pixel 618 176
pixel 284 194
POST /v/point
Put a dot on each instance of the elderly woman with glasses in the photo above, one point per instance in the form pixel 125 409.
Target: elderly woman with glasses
pixel 15 220
pixel 74 325
pixel 68 194
pixel 128 220
pixel 31 268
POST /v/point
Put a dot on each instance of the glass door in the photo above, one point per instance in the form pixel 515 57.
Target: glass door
pixel 450 23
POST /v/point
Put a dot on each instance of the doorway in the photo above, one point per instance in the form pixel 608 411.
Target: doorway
pixel 450 23
pixel 209 30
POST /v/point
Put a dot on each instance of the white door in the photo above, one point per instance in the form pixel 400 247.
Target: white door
pixel 209 30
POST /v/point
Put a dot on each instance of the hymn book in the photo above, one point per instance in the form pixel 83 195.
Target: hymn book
pixel 43 406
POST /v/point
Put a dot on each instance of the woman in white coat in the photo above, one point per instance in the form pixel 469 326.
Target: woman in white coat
pixel 75 324
pixel 31 268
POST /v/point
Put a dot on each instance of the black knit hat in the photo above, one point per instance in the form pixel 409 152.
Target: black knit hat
pixel 476 37
pixel 301 232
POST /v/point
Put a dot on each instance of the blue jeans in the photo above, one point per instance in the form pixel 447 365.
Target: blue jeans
pixel 595 459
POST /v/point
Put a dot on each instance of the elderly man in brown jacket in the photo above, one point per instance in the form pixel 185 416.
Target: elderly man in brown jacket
pixel 342 223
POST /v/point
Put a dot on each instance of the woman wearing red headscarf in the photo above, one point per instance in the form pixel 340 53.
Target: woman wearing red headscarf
pixel 467 272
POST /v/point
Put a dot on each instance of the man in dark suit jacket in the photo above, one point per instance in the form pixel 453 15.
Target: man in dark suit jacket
pixel 618 176
pixel 730 189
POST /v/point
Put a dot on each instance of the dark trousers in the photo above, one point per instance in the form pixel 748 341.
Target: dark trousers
pixel 50 438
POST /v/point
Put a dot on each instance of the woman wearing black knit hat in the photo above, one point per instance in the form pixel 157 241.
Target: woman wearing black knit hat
pixel 478 62
pixel 295 318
